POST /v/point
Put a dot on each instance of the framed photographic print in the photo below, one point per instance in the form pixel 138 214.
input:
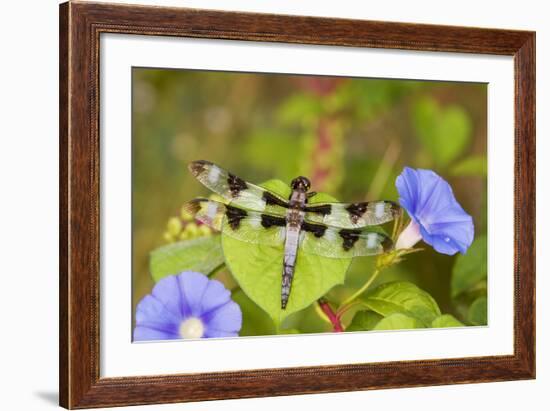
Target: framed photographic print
pixel 257 205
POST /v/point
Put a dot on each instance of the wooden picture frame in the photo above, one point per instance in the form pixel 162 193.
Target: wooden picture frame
pixel 80 27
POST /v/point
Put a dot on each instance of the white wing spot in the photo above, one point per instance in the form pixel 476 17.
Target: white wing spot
pixel 212 210
pixel 330 235
pixel 214 174
pixel 255 222
pixel 379 210
pixel 371 240
pixel 261 205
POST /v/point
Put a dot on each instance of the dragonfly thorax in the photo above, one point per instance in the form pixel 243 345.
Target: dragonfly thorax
pixel 298 197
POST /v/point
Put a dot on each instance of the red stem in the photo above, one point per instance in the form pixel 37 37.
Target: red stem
pixel 334 319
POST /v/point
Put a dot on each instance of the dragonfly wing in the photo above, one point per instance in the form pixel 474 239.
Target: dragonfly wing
pixel 235 190
pixel 353 215
pixel 336 242
pixel 244 225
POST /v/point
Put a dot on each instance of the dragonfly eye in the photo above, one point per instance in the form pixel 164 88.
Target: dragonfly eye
pixel 301 183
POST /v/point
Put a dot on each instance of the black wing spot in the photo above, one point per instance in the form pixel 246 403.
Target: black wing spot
pixel 318 230
pixel 324 209
pixel 234 216
pixel 350 237
pixel 356 211
pixel 270 199
pixel 270 221
pixel 199 167
pixel 387 243
pixel 236 184
pixel 395 208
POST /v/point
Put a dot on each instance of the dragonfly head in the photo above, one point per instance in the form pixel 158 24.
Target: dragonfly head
pixel 301 184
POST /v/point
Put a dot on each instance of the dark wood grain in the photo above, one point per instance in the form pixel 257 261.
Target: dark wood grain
pixel 63 205
pixel 80 27
pixel 525 203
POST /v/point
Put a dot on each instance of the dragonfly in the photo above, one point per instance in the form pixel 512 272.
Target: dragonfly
pixel 256 215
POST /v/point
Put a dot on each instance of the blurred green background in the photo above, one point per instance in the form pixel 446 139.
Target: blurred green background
pixel 350 136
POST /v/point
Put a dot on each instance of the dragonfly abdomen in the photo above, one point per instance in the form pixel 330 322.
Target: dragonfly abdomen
pixel 295 219
pixel 289 262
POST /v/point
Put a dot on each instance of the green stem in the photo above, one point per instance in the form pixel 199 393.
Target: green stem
pixel 345 308
pixel 361 290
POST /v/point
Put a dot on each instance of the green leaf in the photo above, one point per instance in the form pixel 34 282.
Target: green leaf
pixel 398 321
pixel 446 321
pixel 477 313
pixel 290 331
pixel 255 320
pixel 470 269
pixel 202 254
pixel 471 167
pixel 364 321
pixel 258 269
pixel 444 132
pixel 404 298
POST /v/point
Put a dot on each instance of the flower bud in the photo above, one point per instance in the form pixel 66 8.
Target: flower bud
pixel 174 226
pixel 192 229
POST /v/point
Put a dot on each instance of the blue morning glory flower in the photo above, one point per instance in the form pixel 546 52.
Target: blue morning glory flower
pixel 436 216
pixel 188 305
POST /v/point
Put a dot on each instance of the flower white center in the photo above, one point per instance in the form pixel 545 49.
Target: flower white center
pixel 192 328
pixel 409 236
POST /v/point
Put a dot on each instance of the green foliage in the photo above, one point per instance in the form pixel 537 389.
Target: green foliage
pixel 445 321
pixel 404 298
pixel 203 254
pixel 444 132
pixel 471 167
pixel 402 317
pixel 260 146
pixel 469 283
pixel 290 331
pixel 366 101
pixel 470 270
pixel 364 320
pixel 255 321
pixel 265 126
pixel 258 270
pixel 477 313
pixel 300 109
pixel 398 321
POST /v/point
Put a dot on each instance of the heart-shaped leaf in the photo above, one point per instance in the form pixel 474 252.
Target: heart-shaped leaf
pixel 404 298
pixel 258 269
pixel 202 254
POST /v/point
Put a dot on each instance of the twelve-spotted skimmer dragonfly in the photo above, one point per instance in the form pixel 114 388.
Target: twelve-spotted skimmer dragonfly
pixel 256 215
